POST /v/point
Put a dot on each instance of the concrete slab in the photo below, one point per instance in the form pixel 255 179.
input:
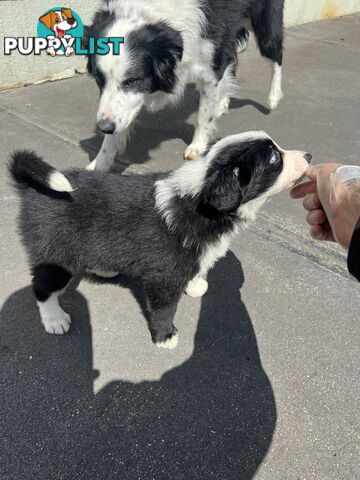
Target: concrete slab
pixel 265 382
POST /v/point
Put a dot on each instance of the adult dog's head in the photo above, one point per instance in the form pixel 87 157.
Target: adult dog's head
pixel 147 64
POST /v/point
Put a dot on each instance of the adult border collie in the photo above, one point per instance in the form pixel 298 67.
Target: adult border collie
pixel 168 44
pixel 166 229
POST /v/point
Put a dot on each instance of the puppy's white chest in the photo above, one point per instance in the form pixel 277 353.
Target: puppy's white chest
pixel 213 252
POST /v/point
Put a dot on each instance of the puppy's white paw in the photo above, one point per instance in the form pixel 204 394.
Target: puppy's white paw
pixel 223 107
pixel 169 343
pixel 191 153
pixel 274 98
pixel 197 288
pixel 57 325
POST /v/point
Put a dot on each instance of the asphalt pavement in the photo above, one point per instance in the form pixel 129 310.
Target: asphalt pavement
pixel 265 382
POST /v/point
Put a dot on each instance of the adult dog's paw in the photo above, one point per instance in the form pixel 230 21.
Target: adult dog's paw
pixel 92 166
pixel 275 97
pixel 191 153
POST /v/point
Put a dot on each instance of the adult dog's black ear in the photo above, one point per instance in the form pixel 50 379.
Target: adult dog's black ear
pixel 88 32
pixel 222 192
pixel 167 50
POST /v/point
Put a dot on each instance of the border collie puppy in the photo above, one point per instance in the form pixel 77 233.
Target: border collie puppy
pixel 169 44
pixel 166 229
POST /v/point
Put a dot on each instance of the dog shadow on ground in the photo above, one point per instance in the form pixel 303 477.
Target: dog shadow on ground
pixel 152 129
pixel 212 417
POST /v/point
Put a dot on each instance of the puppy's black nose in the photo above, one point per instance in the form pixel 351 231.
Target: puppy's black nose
pixel 106 126
pixel 308 157
pixel 71 21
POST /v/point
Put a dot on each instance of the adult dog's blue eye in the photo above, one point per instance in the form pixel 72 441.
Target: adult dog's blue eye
pixel 275 157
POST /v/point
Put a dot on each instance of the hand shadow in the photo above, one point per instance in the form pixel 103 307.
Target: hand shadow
pixel 212 417
pixel 152 129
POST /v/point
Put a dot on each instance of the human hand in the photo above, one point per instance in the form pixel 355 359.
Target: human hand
pixel 332 214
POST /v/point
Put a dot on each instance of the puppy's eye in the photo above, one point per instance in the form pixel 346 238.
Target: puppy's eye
pixel 129 82
pixel 275 157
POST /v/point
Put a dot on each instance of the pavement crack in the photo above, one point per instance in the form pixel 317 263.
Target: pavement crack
pixel 300 245
pixel 63 138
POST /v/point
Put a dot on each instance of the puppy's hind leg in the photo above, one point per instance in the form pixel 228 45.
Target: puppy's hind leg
pixel 112 144
pixel 50 281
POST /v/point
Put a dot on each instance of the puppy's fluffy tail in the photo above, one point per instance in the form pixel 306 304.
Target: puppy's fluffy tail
pixel 29 170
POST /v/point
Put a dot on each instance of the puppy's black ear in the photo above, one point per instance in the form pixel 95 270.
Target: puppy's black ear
pixel 222 192
pixel 167 50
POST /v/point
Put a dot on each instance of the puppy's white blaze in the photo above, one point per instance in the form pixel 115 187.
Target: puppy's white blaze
pixel 57 181
pixel 170 343
pixel 53 317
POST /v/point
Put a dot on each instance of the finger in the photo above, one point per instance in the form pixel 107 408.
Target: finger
pixel 312 202
pixel 316 217
pixel 322 232
pixel 300 191
pixel 311 172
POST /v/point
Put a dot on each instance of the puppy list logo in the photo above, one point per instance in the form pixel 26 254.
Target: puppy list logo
pixel 60 32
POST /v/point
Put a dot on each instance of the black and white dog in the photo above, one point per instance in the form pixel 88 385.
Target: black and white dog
pixel 166 229
pixel 169 44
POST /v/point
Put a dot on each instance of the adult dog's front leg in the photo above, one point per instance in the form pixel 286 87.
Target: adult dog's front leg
pixel 206 127
pixel 112 144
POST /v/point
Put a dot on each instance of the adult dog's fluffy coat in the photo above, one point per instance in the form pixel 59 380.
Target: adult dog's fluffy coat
pixel 169 44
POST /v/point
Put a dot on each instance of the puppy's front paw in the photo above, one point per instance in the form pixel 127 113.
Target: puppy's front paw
pixel 197 288
pixel 169 341
pixel 57 325
pixel 191 153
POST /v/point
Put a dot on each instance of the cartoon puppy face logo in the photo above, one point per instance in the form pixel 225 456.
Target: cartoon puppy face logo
pixel 65 25
pixel 59 21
